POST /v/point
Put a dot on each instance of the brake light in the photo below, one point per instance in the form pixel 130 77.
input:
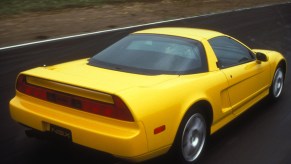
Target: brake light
pixel 118 110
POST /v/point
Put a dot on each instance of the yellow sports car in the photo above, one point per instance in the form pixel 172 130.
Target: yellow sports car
pixel 155 91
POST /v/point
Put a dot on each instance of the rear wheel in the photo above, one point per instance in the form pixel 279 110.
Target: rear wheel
pixel 277 84
pixel 191 138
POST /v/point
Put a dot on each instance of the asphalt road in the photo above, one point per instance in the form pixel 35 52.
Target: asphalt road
pixel 261 135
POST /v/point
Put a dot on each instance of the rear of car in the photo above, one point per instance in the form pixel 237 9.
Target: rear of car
pixel 103 123
pixel 86 105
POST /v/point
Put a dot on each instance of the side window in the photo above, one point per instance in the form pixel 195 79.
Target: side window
pixel 230 52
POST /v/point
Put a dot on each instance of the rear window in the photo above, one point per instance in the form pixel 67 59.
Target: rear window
pixel 153 54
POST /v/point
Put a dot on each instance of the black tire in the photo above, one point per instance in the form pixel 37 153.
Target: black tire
pixel 277 84
pixel 192 137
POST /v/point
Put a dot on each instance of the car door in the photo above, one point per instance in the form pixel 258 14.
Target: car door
pixel 247 77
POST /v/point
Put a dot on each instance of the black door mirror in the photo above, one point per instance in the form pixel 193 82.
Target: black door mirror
pixel 261 57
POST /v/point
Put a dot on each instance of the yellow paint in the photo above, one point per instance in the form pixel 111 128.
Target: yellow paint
pixel 153 100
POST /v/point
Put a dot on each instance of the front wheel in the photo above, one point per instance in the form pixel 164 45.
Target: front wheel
pixel 191 138
pixel 277 84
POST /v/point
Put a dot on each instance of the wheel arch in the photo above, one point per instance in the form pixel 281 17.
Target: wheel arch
pixel 205 108
pixel 283 64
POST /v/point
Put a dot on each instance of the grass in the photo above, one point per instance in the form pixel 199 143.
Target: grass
pixel 10 7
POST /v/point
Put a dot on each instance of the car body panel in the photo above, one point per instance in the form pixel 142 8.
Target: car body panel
pixel 104 80
pixel 87 129
pixel 155 101
pixel 191 33
pixel 274 58
pixel 187 88
pixel 246 81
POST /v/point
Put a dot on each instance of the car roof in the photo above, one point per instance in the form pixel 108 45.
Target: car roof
pixel 192 33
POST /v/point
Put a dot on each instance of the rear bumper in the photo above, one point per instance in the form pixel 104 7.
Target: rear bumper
pixel 119 138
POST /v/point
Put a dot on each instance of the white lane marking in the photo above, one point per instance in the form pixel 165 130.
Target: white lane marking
pixel 134 26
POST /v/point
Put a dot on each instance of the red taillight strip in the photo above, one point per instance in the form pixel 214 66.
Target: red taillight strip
pixel 118 110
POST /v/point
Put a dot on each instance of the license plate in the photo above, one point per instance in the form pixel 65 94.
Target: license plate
pixel 62 132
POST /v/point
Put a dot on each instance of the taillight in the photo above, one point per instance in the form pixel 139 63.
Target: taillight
pixel 118 110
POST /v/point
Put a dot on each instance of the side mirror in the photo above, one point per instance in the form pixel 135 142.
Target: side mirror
pixel 261 57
